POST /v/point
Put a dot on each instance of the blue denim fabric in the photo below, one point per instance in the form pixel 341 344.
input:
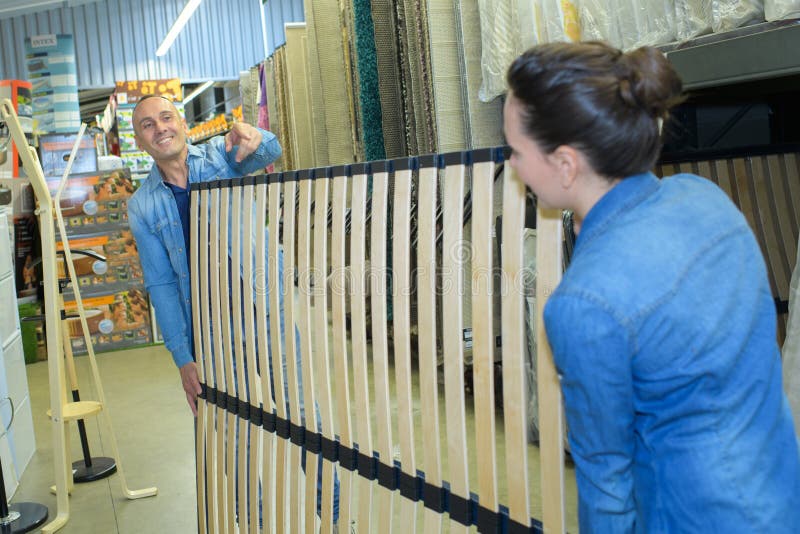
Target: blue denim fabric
pixel 663 331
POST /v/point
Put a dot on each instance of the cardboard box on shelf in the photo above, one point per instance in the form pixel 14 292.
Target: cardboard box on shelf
pixel 117 272
pixel 54 151
pixel 118 320
pixel 19 92
pixel 127 142
pixel 92 203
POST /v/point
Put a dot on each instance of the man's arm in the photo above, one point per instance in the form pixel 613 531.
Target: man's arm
pixel 593 351
pixel 247 149
pixel 162 284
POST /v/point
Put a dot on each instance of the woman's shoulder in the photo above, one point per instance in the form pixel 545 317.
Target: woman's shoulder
pixel 700 187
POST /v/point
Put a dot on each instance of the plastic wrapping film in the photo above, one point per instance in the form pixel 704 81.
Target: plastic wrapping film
pixel 508 28
pixel 781 9
pixel 484 119
pixel 644 22
pixel 561 21
pixel 692 18
pixel 732 14
pixel 791 347
pixel 598 22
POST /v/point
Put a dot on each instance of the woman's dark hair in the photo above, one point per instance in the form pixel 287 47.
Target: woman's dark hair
pixel 602 101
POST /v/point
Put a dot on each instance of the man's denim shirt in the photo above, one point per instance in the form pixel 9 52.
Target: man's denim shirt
pixel 663 331
pixel 156 225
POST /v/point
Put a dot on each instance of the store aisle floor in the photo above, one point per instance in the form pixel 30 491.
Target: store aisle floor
pixel 154 431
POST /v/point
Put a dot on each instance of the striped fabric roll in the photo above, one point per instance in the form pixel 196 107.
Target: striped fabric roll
pixel 330 74
pixel 370 123
pixel 390 87
pixel 484 119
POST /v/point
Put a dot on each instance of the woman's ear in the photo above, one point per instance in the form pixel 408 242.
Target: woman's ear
pixel 566 161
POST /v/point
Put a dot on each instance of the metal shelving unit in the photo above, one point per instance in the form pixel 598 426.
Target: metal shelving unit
pixel 758 52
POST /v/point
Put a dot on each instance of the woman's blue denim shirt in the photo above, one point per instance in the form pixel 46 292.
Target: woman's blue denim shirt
pixel 156 225
pixel 663 332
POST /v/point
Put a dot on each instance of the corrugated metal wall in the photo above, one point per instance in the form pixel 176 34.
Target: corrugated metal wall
pixel 279 12
pixel 116 40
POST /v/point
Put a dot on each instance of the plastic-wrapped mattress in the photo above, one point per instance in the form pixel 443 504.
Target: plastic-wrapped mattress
pixel 645 22
pixel 598 22
pixel 692 18
pixel 508 28
pixel 781 9
pixel 732 14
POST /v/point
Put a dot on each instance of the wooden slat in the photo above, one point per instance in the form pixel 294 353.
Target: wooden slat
pixel 276 352
pixel 224 523
pixel 401 306
pixel 226 355
pixel 267 402
pixel 723 174
pixel 321 353
pixel 452 325
pixel 380 346
pixel 765 216
pixel 787 217
pixel 287 292
pixel 250 395
pixel 548 262
pixel 705 169
pixel 426 319
pixel 340 356
pixel 305 323
pixel 196 268
pixel 792 166
pixel 358 314
pixel 207 452
pixel 483 331
pixel 513 337
pixel 238 426
pixel 747 204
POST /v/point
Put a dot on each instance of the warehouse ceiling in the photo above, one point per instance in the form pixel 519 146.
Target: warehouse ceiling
pixel 116 40
pixel 12 8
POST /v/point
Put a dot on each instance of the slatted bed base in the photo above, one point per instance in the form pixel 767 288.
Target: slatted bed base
pixel 316 411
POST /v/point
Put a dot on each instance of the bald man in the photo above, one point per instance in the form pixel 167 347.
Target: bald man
pixel 158 212
pixel 159 217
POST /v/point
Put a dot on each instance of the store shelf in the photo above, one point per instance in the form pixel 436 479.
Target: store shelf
pixel 205 138
pixel 757 52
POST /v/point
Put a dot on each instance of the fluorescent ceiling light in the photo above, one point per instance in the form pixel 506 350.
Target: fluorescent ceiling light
pixel 177 26
pixel 197 91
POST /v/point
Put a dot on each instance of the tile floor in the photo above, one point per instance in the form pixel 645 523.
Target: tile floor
pixel 154 432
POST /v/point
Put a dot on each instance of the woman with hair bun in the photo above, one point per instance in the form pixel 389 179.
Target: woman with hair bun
pixel 663 328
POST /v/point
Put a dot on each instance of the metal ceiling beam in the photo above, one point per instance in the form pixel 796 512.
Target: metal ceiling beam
pixel 13 8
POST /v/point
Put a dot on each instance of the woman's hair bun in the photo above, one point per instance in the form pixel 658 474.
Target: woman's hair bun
pixel 647 79
pixel 616 102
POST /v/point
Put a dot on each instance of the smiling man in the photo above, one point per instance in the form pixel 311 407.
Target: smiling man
pixel 159 212
pixel 159 217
